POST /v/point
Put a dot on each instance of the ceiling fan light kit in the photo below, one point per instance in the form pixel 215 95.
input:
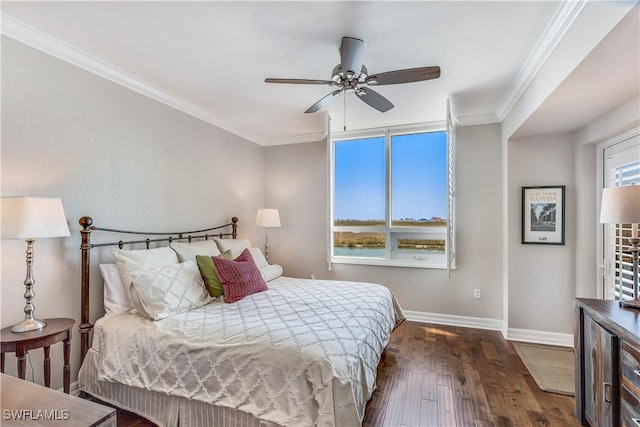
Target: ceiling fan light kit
pixel 351 76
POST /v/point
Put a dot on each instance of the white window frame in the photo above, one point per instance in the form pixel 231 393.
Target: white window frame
pixel 609 286
pixel 444 261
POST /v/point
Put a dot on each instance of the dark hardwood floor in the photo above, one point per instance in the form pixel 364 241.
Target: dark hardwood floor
pixel 434 375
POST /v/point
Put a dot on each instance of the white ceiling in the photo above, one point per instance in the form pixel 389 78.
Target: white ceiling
pixel 210 59
pixel 606 78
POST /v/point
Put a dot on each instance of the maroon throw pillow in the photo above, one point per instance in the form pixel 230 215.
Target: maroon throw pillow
pixel 239 277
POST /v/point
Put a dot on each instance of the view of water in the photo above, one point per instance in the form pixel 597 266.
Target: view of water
pixel 360 252
pixel 379 252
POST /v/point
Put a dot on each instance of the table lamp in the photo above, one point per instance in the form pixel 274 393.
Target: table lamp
pixel 267 218
pixel 621 205
pixel 31 218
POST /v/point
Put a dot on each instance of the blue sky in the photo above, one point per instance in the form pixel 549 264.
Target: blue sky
pixel 419 188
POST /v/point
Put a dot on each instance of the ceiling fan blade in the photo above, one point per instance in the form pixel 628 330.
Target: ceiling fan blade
pixel 300 81
pixel 351 56
pixel 409 75
pixel 375 100
pixel 323 102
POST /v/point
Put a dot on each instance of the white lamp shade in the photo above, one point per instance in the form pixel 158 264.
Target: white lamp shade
pixel 32 218
pixel 620 205
pixel 268 218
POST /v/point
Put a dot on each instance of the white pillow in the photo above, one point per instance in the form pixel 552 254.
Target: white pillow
pixel 164 291
pixel 189 251
pixel 144 259
pixel 270 272
pixel 258 257
pixel 115 297
pixel 236 245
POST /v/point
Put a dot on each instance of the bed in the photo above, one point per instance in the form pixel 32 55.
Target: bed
pixel 297 352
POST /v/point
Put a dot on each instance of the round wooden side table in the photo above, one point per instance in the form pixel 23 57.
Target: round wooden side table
pixel 20 343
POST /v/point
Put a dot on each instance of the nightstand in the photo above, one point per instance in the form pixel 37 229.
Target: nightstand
pixel 57 330
pixel 27 404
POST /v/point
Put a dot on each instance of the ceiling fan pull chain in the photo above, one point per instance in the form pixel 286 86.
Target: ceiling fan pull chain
pixel 344 110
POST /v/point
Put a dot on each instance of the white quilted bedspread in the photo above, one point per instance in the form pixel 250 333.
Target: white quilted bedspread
pixel 303 353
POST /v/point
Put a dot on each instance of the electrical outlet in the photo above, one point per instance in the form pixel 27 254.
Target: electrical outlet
pixel 312 276
pixel 477 293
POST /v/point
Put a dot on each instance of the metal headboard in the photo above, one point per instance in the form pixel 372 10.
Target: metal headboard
pixel 150 237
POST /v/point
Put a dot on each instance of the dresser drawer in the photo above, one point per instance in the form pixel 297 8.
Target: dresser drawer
pixel 630 368
pixel 629 408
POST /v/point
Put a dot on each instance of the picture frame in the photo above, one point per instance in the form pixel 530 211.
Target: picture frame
pixel 543 217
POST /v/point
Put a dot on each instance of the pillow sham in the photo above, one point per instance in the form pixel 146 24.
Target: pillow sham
pixel 164 291
pixel 239 277
pixel 258 257
pixel 236 245
pixel 270 272
pixel 115 297
pixel 208 272
pixel 189 251
pixel 132 260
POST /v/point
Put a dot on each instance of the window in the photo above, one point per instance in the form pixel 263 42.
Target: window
pixel 621 168
pixel 390 197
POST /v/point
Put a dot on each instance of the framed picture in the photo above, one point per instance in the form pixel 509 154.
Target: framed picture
pixel 543 215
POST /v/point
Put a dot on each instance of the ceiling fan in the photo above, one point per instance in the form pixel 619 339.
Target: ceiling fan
pixel 351 76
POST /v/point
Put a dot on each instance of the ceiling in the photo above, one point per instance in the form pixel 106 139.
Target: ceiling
pixel 210 59
pixel 611 72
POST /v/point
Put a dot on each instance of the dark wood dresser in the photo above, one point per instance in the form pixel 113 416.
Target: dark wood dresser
pixel 607 349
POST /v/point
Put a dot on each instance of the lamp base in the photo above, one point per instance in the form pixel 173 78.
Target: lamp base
pixel 630 303
pixel 28 325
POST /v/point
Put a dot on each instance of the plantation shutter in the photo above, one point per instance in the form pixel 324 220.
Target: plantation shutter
pixel 451 241
pixel 621 168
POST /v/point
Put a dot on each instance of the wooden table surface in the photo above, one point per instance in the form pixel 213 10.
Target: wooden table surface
pixel 28 404
pixel 57 330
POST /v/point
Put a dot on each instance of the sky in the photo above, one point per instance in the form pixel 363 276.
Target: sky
pixel 419 186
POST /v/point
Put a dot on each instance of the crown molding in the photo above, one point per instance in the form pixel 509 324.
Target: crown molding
pixel 478 119
pixel 11 27
pixel 296 139
pixel 37 39
pixel 564 17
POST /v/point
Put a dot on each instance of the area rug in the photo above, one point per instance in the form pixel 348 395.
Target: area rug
pixel 551 367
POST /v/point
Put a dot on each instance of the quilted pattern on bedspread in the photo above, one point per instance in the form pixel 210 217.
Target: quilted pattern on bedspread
pixel 304 352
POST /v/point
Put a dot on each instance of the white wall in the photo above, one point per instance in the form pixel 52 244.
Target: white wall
pixel 108 152
pixel 586 227
pixel 541 277
pixel 610 125
pixel 297 184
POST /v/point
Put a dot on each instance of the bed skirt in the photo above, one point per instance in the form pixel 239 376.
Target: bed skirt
pixel 164 410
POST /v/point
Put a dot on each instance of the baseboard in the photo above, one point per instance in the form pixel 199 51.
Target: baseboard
pixel 540 337
pixel 511 334
pixel 452 320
